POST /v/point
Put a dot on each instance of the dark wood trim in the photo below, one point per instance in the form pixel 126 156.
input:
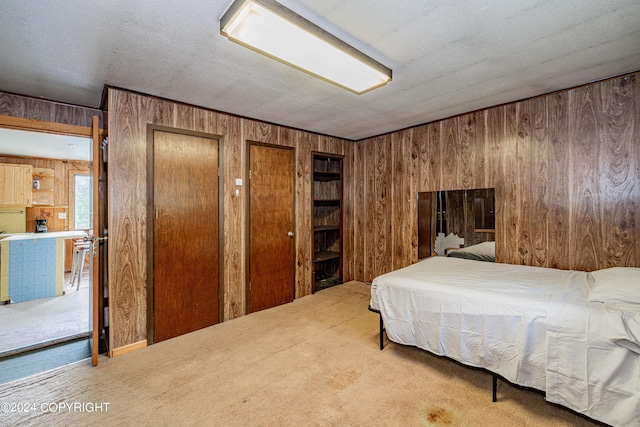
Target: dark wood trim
pixel 151 128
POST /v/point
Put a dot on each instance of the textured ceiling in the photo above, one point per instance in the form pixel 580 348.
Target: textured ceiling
pixel 448 57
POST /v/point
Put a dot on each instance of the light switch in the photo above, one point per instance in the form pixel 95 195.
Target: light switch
pixel 62 215
pixel 238 181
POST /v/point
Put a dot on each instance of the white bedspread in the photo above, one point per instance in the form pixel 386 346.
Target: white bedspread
pixel 527 324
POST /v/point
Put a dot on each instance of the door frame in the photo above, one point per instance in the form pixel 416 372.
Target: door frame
pixel 247 205
pixel 93 133
pixel 151 128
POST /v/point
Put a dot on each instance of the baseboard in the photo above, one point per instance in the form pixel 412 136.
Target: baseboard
pixel 127 348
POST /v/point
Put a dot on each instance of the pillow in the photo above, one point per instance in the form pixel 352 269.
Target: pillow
pixel 623 322
pixel 485 251
pixel 616 285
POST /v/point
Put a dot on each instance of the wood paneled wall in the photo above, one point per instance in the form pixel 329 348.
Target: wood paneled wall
pixel 48 111
pixel 129 115
pixel 565 166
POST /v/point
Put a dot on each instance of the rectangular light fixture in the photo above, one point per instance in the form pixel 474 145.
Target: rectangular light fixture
pixel 275 31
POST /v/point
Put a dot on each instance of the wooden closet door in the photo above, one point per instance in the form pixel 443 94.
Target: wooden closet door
pixel 185 234
pixel 271 218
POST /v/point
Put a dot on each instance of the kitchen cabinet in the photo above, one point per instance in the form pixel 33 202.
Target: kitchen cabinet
pixel 327 220
pixel 44 194
pixel 15 185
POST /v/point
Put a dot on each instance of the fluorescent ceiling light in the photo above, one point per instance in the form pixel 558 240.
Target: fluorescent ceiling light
pixel 273 30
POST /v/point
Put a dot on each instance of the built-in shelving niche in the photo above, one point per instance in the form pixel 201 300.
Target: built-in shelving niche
pixel 327 221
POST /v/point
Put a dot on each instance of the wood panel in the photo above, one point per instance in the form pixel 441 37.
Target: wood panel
pixel 47 111
pixel 495 142
pixel 616 125
pixel 560 170
pixel 449 151
pixel 512 209
pixel 260 132
pixel 382 245
pixel 523 187
pixel 401 165
pixel 303 142
pixel 470 152
pixel 565 166
pixel 585 238
pixel 127 219
pixel 371 200
pixel 412 197
pixel 330 145
pixel 358 189
pixel 537 218
pixel 635 195
pixel 348 213
pixel 234 298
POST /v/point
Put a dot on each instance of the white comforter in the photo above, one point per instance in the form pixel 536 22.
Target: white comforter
pixel 531 325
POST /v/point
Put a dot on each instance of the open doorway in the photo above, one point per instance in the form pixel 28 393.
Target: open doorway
pixel 45 281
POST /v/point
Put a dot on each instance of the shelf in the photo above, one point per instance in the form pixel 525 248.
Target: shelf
pixel 325 256
pixel 327 194
pixel 326 202
pixel 324 281
pixel 319 228
pixel 326 176
pixel 44 195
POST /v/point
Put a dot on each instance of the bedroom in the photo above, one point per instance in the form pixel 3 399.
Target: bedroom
pixel 558 164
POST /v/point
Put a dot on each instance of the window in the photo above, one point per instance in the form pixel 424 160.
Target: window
pixel 82 201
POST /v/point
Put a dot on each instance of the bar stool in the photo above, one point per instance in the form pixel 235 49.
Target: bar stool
pixel 80 249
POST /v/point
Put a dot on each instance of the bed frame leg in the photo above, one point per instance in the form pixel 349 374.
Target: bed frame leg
pixel 495 387
pixel 381 333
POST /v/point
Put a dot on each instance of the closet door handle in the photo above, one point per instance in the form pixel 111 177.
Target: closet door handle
pixel 290 234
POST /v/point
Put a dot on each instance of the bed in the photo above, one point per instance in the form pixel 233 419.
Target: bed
pixel 572 334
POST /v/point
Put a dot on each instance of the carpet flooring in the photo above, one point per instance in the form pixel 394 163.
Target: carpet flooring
pixel 314 362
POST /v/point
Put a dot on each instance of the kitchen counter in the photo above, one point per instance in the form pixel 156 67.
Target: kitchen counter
pixel 32 264
pixel 73 234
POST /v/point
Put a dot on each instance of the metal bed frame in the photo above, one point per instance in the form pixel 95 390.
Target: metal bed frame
pixel 495 376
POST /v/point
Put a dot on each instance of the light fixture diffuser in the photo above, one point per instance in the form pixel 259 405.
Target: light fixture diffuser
pixel 273 30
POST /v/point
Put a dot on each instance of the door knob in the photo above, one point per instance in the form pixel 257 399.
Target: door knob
pixel 290 234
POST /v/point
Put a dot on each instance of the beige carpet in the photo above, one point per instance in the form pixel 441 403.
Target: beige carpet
pixel 314 362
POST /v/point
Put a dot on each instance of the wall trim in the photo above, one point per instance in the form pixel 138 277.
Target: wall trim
pixel 20 123
pixel 127 348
